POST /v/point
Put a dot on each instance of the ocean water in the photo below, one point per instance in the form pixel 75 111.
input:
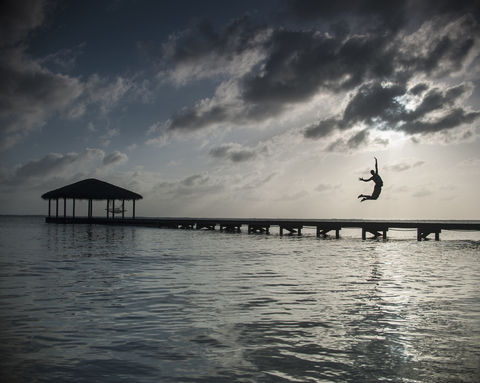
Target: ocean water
pixel 91 303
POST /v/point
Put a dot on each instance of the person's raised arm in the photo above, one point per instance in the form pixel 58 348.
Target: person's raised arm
pixel 376 165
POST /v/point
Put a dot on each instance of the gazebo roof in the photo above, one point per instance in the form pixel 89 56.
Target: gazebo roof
pixel 92 189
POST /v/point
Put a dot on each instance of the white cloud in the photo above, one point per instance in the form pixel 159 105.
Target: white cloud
pixel 294 196
pixel 114 159
pixel 107 94
pixel 404 164
pixel 65 59
pixel 325 187
pixel 424 192
pixel 471 162
pixel 132 147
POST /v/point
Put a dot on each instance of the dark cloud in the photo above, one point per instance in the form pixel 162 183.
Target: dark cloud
pixel 203 116
pixel 27 86
pixel 299 64
pixel 202 40
pixel 196 118
pixel 440 50
pixel 115 158
pixel 49 164
pixel 453 119
pixel 381 106
pixel 378 14
pixel 232 152
pixel 195 186
pixel 307 10
pixel 418 89
pixel 372 102
pixel 321 129
pixel 56 166
pixel 29 94
pixel 196 179
pixel 220 151
pixel 19 17
pixel 353 143
pixel 302 63
pixel 52 165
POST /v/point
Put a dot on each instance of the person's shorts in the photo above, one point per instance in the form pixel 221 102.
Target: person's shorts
pixel 376 192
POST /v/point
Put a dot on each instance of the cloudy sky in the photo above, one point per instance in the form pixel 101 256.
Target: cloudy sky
pixel 262 108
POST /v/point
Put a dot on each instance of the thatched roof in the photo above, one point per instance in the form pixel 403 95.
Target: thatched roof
pixel 92 189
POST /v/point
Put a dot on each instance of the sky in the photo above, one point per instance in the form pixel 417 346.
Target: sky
pixel 254 109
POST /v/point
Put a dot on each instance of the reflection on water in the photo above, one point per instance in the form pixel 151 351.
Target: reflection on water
pixel 109 304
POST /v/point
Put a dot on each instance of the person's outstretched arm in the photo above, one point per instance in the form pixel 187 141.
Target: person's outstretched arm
pixel 376 165
pixel 363 179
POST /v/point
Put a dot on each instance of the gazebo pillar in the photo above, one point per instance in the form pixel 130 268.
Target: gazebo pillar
pixel 64 207
pixel 49 206
pixel 133 214
pixel 56 210
pixel 73 208
pixel 108 206
pixel 123 209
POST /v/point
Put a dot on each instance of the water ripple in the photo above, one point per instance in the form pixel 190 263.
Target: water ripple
pixel 109 304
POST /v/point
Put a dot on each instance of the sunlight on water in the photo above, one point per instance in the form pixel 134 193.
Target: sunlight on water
pixel 96 303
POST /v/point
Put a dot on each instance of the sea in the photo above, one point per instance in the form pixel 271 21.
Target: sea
pixel 93 303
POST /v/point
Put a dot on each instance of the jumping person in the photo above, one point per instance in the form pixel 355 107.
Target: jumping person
pixel 378 184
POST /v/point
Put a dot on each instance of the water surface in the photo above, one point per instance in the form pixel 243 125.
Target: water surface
pixel 88 303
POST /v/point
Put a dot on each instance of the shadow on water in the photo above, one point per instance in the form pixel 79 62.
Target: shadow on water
pixel 90 240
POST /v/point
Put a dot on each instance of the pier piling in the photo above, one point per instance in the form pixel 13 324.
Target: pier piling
pixel 258 229
pixel 375 231
pixel 323 231
pixel 291 229
pixel 423 233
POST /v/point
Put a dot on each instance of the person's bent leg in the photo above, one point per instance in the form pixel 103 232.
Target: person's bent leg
pixel 376 192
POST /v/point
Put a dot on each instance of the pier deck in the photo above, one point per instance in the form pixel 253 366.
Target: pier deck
pixel 293 226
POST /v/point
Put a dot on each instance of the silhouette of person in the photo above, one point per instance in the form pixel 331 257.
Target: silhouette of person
pixel 378 184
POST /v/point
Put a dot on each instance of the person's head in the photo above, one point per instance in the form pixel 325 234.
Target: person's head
pixel 372 172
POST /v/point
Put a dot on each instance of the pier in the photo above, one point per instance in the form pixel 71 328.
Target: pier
pixel 323 227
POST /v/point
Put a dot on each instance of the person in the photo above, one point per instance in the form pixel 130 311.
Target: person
pixel 378 183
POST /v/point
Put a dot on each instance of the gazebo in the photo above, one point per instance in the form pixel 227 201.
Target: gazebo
pixel 92 189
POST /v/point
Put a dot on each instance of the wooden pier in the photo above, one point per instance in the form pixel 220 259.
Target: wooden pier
pixel 377 228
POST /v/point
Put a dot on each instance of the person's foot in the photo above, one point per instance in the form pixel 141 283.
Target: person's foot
pixel 360 196
pixel 363 200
